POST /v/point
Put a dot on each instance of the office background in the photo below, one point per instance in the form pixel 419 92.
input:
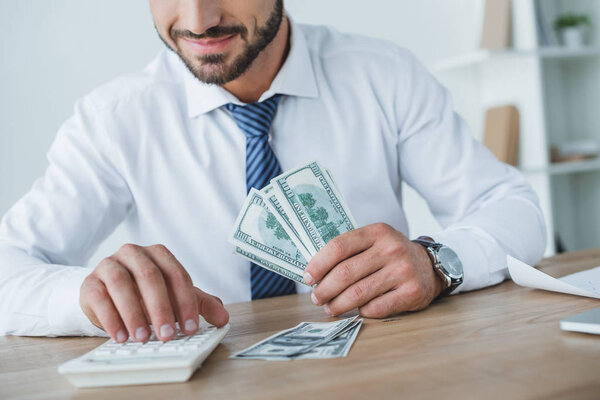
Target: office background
pixel 52 52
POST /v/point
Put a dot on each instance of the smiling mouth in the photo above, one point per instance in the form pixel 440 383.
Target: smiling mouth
pixel 208 45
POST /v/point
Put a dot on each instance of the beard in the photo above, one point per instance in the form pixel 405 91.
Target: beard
pixel 213 68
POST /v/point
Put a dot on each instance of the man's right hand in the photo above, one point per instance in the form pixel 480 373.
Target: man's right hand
pixel 137 286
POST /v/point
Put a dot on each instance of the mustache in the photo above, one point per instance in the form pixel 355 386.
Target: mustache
pixel 214 32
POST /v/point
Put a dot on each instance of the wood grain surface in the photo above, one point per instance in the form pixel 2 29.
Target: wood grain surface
pixel 502 342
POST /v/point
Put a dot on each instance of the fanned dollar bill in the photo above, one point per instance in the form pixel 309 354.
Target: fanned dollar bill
pixel 274 205
pixel 306 340
pixel 288 273
pixel 283 225
pixel 259 237
pixel 313 204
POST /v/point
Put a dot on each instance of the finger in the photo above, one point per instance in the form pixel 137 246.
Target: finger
pixel 392 302
pixel 211 308
pixel 180 287
pixel 335 251
pixel 125 297
pixel 96 301
pixel 344 275
pixel 360 293
pixel 218 299
pixel 151 284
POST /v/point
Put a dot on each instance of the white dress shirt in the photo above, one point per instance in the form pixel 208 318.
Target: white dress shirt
pixel 158 151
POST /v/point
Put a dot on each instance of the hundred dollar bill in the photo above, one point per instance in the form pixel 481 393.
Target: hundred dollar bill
pixel 331 179
pixel 290 274
pixel 258 236
pixel 274 205
pixel 289 343
pixel 313 204
pixel 337 347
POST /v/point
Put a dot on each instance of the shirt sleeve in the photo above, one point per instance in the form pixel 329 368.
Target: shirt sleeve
pixel 486 207
pixel 47 236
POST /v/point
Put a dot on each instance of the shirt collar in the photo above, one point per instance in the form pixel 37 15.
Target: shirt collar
pixel 295 78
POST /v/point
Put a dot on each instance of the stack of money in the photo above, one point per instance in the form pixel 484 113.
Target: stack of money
pixel 283 225
pixel 315 340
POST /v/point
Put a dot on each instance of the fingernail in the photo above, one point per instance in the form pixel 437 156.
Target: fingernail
pixel 307 278
pixel 121 336
pixel 190 325
pixel 327 310
pixel 141 333
pixel 166 331
pixel 314 299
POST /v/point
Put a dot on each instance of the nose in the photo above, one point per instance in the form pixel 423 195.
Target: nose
pixel 200 15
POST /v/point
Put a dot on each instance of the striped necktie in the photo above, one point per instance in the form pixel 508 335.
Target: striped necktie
pixel 261 166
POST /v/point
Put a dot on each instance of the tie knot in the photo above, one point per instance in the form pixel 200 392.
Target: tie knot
pixel 255 119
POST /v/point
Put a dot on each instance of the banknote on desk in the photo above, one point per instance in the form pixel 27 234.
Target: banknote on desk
pixel 336 348
pixel 307 340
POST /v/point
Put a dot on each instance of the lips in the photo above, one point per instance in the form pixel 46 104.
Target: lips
pixel 208 45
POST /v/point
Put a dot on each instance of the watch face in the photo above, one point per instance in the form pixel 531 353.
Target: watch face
pixel 450 262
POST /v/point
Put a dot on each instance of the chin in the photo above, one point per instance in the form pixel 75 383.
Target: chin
pixel 214 74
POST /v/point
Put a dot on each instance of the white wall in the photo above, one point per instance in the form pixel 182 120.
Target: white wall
pixel 432 29
pixel 54 51
pixel 51 53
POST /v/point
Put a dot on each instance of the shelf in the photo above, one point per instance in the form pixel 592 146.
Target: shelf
pixel 568 167
pixel 480 56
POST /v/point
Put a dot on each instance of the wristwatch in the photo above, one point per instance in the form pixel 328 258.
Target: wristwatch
pixel 445 263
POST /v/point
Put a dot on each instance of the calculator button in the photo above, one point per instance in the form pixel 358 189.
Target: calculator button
pixel 146 350
pixel 169 349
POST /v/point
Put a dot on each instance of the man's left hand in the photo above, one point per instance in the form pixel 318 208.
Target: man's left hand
pixel 375 268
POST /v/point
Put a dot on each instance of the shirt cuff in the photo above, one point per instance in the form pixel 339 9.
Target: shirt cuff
pixel 65 316
pixel 474 257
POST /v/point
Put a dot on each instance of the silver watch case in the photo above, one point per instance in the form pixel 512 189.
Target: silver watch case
pixel 452 275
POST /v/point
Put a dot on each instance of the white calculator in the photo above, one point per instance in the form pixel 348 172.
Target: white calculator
pixel 133 363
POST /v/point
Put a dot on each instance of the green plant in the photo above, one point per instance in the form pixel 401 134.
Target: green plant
pixel 571 20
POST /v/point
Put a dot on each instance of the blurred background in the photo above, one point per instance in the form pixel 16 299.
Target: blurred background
pixel 525 74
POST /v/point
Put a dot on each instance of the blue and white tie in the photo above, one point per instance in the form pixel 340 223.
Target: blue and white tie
pixel 261 166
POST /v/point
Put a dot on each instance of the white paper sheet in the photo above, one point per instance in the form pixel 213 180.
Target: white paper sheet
pixel 584 283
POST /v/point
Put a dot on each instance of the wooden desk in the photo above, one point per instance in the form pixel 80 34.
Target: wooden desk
pixel 503 342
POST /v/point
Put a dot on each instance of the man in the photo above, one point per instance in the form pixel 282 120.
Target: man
pixel 168 151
